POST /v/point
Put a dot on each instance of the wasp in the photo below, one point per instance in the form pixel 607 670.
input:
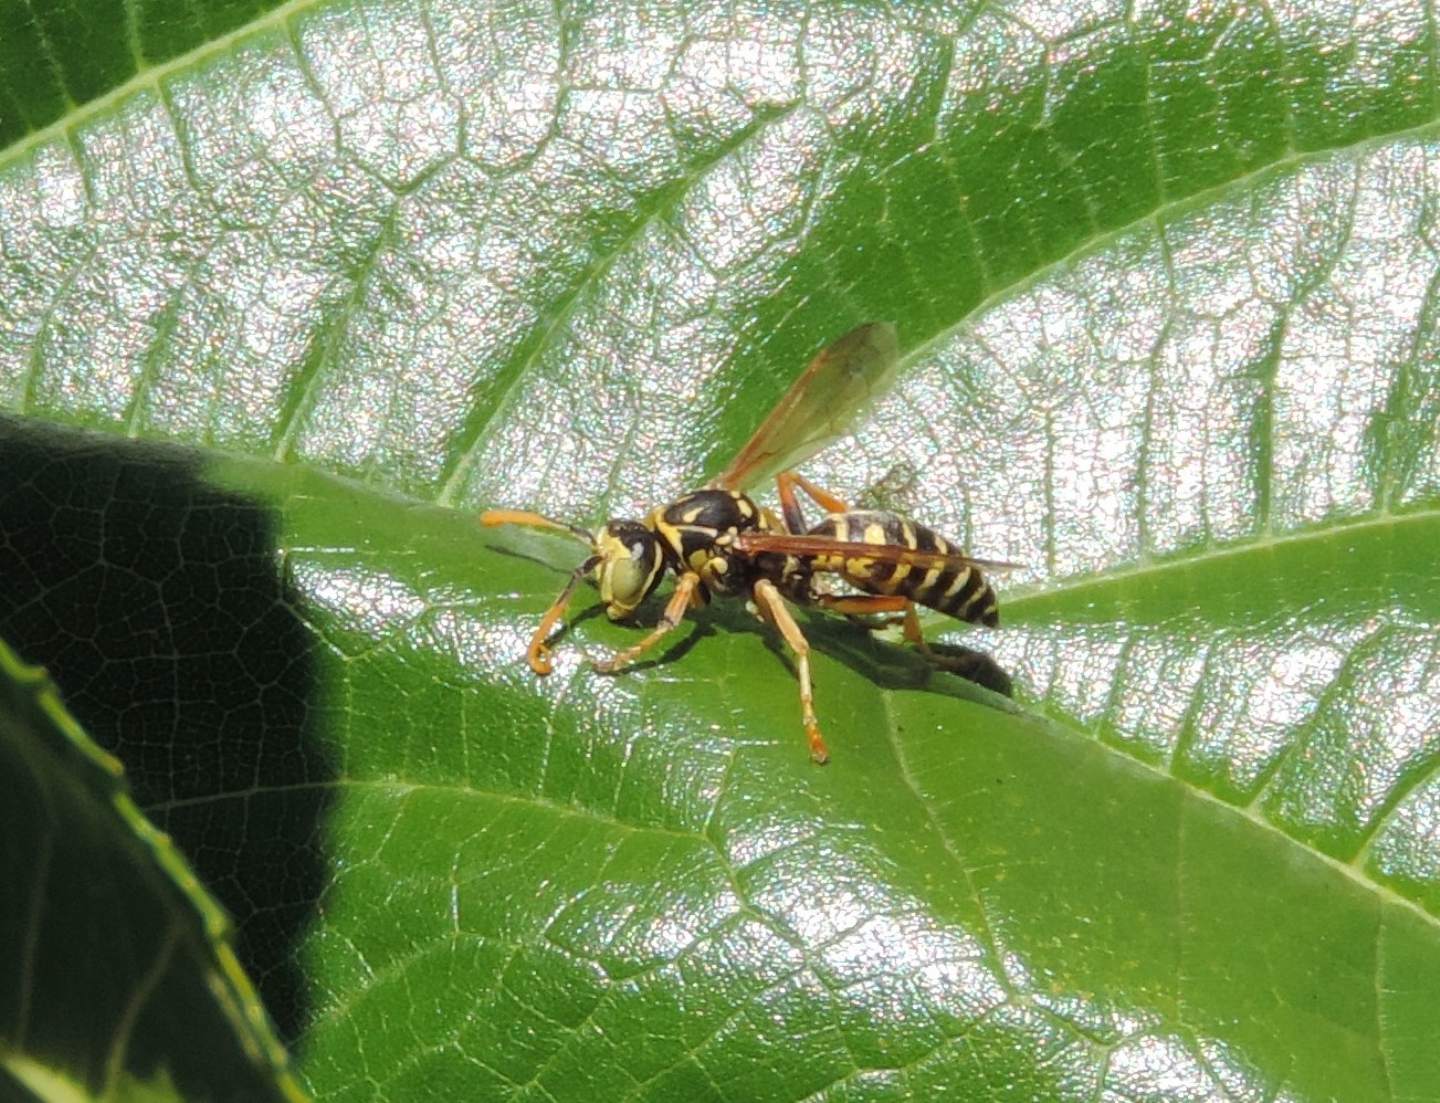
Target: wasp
pixel 718 540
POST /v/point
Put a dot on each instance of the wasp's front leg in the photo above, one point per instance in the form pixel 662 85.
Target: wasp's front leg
pixel 538 653
pixel 675 608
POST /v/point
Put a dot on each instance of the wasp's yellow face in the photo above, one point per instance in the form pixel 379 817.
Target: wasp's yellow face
pixel 630 566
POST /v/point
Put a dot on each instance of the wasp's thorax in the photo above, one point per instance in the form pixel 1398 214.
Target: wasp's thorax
pixel 630 565
pixel 699 530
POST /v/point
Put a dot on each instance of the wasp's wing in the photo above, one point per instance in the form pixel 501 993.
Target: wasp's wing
pixel 842 379
pixel 755 543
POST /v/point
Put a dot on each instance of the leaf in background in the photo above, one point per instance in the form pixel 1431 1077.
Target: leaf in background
pixel 1164 276
pixel 120 979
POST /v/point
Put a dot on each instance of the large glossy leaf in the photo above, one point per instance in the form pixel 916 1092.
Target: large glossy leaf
pixel 1164 281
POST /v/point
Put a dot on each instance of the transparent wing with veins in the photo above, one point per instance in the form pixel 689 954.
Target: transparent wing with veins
pixel 844 378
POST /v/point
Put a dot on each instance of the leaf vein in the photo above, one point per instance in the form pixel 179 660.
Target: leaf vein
pixel 556 319
pixel 987 934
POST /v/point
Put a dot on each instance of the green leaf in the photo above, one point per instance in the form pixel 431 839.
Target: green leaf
pixel 121 981
pixel 1164 282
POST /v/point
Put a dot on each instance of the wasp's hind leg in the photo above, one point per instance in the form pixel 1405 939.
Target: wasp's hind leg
pixel 674 613
pixel 973 666
pixel 786 482
pixel 772 606
pixel 912 631
pixel 871 604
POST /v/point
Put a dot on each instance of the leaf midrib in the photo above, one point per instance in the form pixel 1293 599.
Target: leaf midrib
pixel 1158 567
pixel 1382 892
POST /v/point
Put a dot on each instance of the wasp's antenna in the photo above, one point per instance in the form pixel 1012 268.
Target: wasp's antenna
pixel 492 517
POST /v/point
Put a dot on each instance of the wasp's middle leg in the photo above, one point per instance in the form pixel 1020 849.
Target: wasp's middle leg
pixel 774 609
pixel 673 615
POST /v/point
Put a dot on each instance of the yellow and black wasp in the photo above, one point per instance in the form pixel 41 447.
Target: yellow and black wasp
pixel 719 541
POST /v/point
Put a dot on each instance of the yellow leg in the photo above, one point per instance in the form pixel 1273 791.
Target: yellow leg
pixel 912 630
pixel 674 613
pixel 538 655
pixel 786 482
pixel 861 605
pixel 867 605
pixel 773 606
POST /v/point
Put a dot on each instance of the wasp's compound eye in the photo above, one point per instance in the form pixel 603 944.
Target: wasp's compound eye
pixel 624 579
pixel 630 563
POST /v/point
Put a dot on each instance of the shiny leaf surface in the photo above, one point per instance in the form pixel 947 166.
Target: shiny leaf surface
pixel 1163 279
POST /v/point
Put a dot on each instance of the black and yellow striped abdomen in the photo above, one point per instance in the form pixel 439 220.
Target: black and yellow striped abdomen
pixel 957 590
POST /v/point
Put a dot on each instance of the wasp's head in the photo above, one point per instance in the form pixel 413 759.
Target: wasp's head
pixel 630 564
pixel 626 557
